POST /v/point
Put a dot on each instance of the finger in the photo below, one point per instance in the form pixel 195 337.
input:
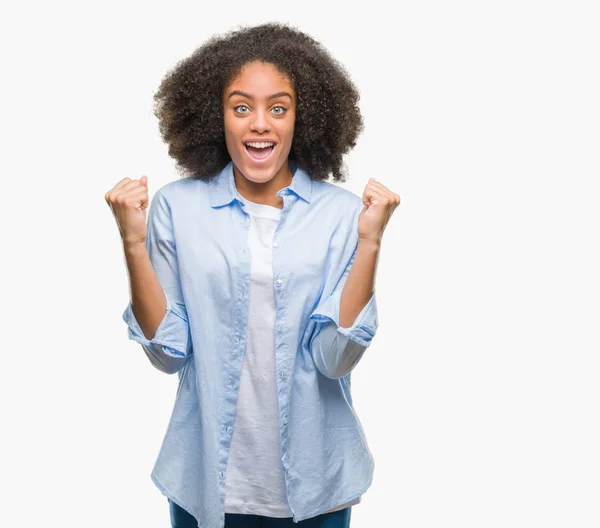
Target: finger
pixel 124 185
pixel 131 186
pixel 371 192
pixel 394 197
pixel 375 198
pixel 380 195
pixel 116 187
pixel 137 194
pixel 379 185
pixel 376 181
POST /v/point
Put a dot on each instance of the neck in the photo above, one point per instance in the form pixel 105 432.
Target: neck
pixel 264 193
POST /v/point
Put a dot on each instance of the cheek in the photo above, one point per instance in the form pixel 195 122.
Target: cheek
pixel 227 124
pixel 231 140
pixel 288 131
pixel 231 131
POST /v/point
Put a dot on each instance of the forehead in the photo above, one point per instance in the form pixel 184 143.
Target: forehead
pixel 260 79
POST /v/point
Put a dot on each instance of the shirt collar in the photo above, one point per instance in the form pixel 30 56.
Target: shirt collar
pixel 223 190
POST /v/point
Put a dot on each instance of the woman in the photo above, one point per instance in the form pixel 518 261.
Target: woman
pixel 254 281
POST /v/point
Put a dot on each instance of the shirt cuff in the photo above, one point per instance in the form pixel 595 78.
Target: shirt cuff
pixel 365 325
pixel 172 334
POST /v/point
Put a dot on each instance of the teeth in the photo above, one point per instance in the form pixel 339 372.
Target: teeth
pixel 261 144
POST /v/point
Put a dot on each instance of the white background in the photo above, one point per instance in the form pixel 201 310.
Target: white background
pixel 480 393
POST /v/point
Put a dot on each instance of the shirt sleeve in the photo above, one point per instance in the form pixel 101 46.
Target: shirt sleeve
pixel 336 350
pixel 172 344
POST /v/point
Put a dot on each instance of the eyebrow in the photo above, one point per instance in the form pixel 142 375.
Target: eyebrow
pixel 248 96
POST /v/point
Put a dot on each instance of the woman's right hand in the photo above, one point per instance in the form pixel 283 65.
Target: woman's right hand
pixel 128 201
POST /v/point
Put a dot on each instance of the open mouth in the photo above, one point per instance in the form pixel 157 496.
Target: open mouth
pixel 259 152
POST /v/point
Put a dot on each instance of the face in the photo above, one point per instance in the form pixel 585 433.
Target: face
pixel 259 113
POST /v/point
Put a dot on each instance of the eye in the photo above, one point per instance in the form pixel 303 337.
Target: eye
pixel 283 110
pixel 237 107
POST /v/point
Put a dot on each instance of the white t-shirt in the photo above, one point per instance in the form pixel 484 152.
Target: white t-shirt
pixel 255 481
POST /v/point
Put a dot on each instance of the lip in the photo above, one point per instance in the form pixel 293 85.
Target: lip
pixel 260 161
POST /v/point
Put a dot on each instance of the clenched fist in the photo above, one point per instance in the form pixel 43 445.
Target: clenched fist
pixel 128 201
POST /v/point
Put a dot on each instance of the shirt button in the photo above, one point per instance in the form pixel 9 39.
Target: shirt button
pixel 222 474
pixel 285 419
pixel 276 244
pixel 279 282
pixel 279 328
pixel 282 374
pixel 229 430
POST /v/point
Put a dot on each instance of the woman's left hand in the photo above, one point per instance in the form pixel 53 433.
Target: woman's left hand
pixel 380 203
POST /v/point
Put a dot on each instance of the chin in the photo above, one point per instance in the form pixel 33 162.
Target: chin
pixel 258 174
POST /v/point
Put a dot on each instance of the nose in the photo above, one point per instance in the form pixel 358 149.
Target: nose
pixel 260 122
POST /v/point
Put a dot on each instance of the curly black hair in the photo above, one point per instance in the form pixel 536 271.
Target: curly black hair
pixel 189 100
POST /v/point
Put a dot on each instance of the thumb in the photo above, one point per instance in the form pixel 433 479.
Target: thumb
pixel 144 181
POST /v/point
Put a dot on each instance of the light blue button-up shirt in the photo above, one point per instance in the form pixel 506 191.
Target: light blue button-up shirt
pixel 197 243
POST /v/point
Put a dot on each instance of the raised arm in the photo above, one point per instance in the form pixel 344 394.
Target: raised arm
pixel 353 299
pixel 337 349
pixel 156 314
pixel 148 299
pixel 156 295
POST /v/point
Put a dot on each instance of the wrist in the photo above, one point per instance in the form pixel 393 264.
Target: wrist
pixel 134 247
pixel 372 244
